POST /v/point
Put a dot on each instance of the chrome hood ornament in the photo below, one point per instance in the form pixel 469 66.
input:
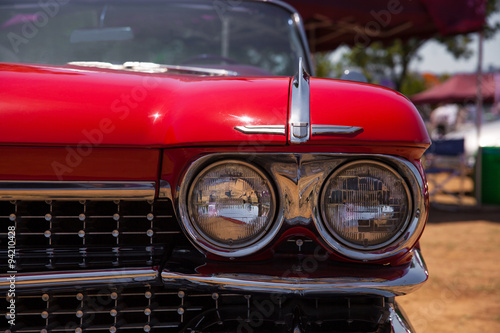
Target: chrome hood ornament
pixel 300 129
pixel 299 123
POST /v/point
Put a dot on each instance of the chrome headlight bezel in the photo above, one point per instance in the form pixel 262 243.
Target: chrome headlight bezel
pixel 328 225
pixel 199 238
pixel 298 180
pixel 408 234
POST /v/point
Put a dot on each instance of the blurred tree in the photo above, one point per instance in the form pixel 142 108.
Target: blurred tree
pixel 391 61
pixel 413 83
pixel 323 64
pixel 379 61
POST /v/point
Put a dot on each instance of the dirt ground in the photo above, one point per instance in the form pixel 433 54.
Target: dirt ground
pixel 461 246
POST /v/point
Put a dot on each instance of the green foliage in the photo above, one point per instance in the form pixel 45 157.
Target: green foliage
pixel 490 28
pixel 413 84
pixel 323 65
pixel 458 46
pixel 380 60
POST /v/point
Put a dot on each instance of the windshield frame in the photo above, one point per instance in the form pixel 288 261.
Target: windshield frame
pixel 296 21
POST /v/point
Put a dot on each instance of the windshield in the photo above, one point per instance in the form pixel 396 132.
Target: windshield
pixel 234 35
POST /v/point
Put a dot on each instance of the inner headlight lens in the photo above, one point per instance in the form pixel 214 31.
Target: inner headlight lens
pixel 365 205
pixel 231 204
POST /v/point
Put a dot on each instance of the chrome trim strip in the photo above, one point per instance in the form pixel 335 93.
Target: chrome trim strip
pixel 165 191
pixel 79 278
pixel 262 129
pixel 281 130
pixel 334 129
pixel 200 70
pixel 412 279
pixel 76 190
pixel 149 67
pixel 299 123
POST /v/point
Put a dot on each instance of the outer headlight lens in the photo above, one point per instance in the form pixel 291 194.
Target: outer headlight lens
pixel 231 204
pixel 365 205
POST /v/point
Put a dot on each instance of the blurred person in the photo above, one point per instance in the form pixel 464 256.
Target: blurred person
pixel 443 120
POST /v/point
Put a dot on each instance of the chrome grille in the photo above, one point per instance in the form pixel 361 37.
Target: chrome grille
pixel 154 309
pixel 57 234
pixel 109 310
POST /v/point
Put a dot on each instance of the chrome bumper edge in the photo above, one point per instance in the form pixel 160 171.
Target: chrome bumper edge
pixel 408 282
pixel 398 320
pixel 78 278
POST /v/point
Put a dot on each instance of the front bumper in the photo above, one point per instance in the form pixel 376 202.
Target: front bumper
pixel 145 299
pixel 386 282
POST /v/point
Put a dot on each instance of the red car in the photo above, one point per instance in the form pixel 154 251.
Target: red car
pixel 171 166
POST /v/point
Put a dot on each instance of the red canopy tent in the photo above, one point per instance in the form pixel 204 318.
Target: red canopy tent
pixel 460 88
pixel 330 23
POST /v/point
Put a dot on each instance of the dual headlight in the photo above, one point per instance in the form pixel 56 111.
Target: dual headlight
pixel 232 209
pixel 365 205
pixel 231 204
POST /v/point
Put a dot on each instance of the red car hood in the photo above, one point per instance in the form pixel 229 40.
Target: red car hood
pixel 385 116
pixel 58 106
